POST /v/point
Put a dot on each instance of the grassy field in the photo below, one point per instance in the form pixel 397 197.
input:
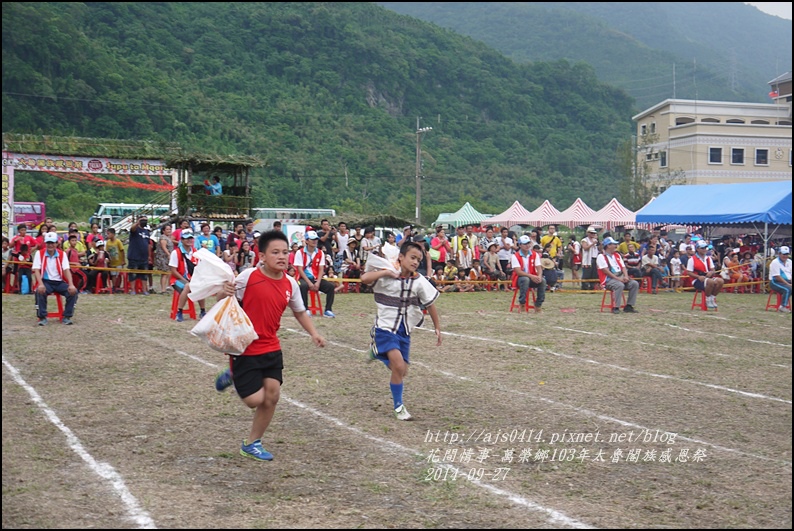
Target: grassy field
pixel 569 418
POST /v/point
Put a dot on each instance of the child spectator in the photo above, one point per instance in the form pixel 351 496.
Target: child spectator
pixel 24 270
pixel 451 270
pixel 478 275
pixel 462 283
pixel 675 270
pixel 465 256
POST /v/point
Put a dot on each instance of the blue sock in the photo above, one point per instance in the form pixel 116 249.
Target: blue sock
pixel 397 394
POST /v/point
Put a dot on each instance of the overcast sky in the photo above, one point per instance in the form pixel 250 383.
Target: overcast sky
pixel 779 9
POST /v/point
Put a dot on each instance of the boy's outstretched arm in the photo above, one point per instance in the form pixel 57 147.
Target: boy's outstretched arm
pixel 370 277
pixel 306 322
pixel 436 322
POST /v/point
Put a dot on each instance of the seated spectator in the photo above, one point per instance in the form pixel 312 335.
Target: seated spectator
pixel 462 283
pixel 24 269
pixel 614 276
pixel 780 277
pixel 351 262
pixel 633 261
pixel 651 267
pixel 527 273
pixel 451 270
pixel 99 258
pixel 491 265
pixel 701 269
pixel 478 275
pixel 182 263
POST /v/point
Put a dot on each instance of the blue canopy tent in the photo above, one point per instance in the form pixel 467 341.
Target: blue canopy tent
pixel 744 204
pixel 721 204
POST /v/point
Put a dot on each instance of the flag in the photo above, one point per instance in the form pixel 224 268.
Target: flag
pixel 774 94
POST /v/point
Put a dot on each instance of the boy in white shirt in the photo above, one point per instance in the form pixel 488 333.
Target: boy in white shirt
pixel 391 334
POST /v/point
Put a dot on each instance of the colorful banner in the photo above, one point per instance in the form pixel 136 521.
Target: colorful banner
pixel 92 165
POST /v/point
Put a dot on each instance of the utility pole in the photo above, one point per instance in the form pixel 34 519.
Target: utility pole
pixel 419 132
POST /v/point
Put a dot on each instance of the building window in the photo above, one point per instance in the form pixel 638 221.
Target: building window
pixel 762 157
pixel 653 128
pixel 643 129
pixel 715 155
pixel 734 121
pixel 663 159
pixel 649 157
pixel 737 155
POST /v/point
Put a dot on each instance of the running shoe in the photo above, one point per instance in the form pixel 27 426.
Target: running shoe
pixel 179 316
pixel 67 321
pixel 202 314
pixel 255 451
pixel 223 380
pixel 329 313
pixel 43 322
pixel 402 414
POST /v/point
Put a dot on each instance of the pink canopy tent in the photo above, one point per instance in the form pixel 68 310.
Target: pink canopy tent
pixel 515 215
pixel 543 215
pixel 614 215
pixel 576 214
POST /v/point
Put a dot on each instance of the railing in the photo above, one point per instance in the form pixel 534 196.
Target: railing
pixel 232 204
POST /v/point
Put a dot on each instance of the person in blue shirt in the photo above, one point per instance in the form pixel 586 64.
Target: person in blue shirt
pixel 208 241
pixel 216 188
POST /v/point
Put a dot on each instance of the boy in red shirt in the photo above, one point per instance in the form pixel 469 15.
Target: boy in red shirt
pixel 257 372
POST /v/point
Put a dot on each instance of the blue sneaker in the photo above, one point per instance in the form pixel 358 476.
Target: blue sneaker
pixel 329 313
pixel 255 451
pixel 43 321
pixel 67 321
pixel 203 313
pixel 179 316
pixel 223 380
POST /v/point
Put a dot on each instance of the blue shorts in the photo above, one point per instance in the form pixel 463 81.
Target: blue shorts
pixel 383 341
pixel 699 285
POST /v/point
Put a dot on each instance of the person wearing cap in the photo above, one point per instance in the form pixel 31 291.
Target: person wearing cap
pixel 700 268
pixel 138 253
pixel 406 235
pixel 589 255
pixel 182 262
pixel 614 276
pixel 310 264
pixel 98 257
pixel 780 277
pixel 528 273
pixel 52 274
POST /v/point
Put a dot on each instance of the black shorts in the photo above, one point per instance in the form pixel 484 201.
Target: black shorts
pixel 249 372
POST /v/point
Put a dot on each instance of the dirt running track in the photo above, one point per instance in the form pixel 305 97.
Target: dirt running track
pixel 574 418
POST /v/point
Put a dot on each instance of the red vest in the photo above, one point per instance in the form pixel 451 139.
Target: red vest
pixel 43 256
pixel 602 277
pixel 532 266
pixel 181 267
pixel 700 266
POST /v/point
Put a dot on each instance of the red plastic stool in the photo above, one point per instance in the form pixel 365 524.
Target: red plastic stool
pixel 315 308
pixel 191 309
pixel 99 287
pixel 125 282
pixel 59 313
pixel 611 299
pixel 778 301
pixel 702 304
pixel 527 305
pixel 646 285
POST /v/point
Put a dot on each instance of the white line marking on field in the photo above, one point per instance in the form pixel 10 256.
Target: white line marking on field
pixel 677 347
pixel 617 367
pixel 705 316
pixel 586 412
pixel 728 336
pixel 555 517
pixel 103 470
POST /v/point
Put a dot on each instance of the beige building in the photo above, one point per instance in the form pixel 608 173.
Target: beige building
pixel 715 142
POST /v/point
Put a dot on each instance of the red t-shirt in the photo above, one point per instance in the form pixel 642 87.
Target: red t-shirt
pixel 264 301
pixel 28 240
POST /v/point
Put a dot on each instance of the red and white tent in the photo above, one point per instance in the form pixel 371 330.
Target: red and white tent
pixel 515 215
pixel 544 214
pixel 614 215
pixel 576 214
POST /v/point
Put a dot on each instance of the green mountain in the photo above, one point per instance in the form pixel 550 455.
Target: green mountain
pixel 725 51
pixel 328 93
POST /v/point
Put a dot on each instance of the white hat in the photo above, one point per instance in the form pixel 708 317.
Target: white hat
pixel 50 237
pixel 312 235
pixel 523 240
pixel 702 244
pixel 591 228
pixel 784 250
pixel 99 242
pixel 185 234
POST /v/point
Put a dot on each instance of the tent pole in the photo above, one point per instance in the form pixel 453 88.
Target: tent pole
pixel 766 253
